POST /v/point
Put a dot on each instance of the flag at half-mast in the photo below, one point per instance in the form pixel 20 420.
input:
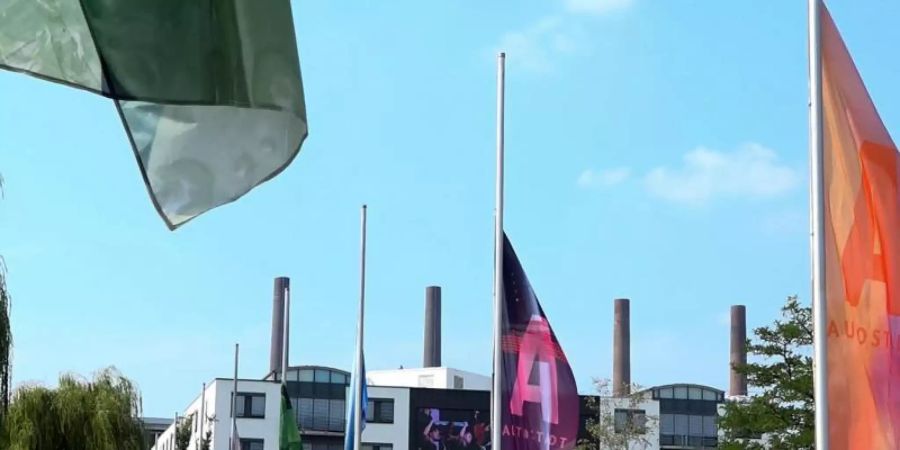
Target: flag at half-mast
pixel 539 396
pixel 209 92
pixel 862 257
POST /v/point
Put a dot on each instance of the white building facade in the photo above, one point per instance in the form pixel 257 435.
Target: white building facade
pixel 258 413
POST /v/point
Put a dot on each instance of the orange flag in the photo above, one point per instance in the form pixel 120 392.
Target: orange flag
pixel 862 257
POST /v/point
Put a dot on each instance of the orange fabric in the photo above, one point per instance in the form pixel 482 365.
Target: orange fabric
pixel 862 258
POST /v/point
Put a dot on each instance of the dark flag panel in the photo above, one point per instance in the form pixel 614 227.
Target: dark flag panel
pixel 539 397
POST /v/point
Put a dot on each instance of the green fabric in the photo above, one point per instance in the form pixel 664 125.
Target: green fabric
pixel 209 91
pixel 49 39
pixel 289 434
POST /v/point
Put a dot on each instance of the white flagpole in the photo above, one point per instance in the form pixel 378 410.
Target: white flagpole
pixel 817 225
pixel 497 387
pixel 286 334
pixel 234 391
pixel 202 415
pixel 357 388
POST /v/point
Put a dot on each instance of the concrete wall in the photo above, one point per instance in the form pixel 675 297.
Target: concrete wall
pixel 396 433
pixel 218 408
pixel 436 378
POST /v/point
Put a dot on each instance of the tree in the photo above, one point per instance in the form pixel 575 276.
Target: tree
pixel 5 338
pixel 781 407
pixel 101 414
pixel 206 442
pixel 183 433
pixel 618 422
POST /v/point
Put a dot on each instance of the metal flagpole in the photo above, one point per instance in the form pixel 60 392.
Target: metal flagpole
pixel 202 415
pixel 234 391
pixel 286 334
pixel 175 430
pixel 497 387
pixel 357 387
pixel 817 225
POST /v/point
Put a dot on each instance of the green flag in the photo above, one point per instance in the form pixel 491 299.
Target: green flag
pixel 289 434
pixel 209 91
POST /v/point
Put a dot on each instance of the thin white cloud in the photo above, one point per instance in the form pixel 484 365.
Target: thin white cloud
pixel 603 178
pixel 596 6
pixel 537 47
pixel 752 171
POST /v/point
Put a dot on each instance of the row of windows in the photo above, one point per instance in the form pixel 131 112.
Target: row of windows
pixel 335 446
pixel 697 442
pixel 252 444
pixel 688 425
pixel 687 393
pixel 318 376
pixel 330 415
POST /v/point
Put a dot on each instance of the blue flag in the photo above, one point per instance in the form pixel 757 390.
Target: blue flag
pixel 357 384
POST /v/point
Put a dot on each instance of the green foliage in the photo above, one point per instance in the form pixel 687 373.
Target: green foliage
pixel 602 425
pixel 101 414
pixel 5 338
pixel 781 407
pixel 206 442
pixel 183 433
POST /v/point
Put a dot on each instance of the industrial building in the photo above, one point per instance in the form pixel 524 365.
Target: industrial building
pixel 404 403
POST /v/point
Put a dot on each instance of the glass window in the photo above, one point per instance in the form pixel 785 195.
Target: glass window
pixel 377 447
pixel 258 405
pixel 620 418
pixel 292 375
pixel 629 419
pixel 380 410
pixel 239 405
pixel 681 424
pixel 306 375
pixel 667 424
pixel 336 415
pixel 338 378
pixel 695 426
pixel 709 426
pixel 710 395
pixel 695 393
pixel 251 405
pixel 681 392
pixel 458 382
pixel 323 376
pixel 306 413
pixel 320 414
pixel 666 393
pixel 252 444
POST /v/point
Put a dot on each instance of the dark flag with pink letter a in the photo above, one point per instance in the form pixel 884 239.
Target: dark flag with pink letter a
pixel 539 396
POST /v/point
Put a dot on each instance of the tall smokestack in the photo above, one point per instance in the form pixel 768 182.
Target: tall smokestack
pixel 432 355
pixel 277 343
pixel 738 385
pixel 622 348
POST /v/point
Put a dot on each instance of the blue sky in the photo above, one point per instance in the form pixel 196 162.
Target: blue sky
pixel 655 150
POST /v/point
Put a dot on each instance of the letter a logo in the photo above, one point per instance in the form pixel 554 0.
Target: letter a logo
pixel 536 350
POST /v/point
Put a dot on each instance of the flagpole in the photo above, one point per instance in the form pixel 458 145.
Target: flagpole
pixel 497 387
pixel 234 391
pixel 817 225
pixel 286 334
pixel 202 415
pixel 357 388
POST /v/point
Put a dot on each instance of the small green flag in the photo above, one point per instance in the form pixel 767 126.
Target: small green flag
pixel 209 92
pixel 289 434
